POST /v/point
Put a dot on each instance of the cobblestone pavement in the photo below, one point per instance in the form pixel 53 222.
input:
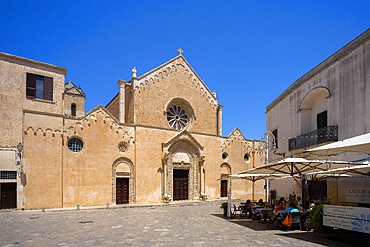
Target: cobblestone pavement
pixel 197 224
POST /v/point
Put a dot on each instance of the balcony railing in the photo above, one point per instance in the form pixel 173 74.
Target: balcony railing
pixel 326 134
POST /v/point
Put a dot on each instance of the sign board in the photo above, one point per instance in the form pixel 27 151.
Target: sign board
pixel 354 190
pixel 357 195
pixel 348 218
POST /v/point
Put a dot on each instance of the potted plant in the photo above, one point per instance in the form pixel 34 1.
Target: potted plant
pixel 316 217
pixel 224 207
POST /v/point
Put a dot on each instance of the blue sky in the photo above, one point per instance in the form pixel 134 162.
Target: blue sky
pixel 248 51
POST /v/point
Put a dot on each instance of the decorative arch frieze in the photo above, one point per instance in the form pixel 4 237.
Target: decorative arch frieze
pixel 176 65
pixel 236 135
pixel 131 175
pixel 43 132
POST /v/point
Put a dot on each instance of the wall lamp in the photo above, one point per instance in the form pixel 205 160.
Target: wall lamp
pixel 19 160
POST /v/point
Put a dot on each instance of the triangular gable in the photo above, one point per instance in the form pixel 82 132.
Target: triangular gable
pixel 182 136
pixel 167 68
pixel 97 109
pixel 126 131
pixel 71 88
pixel 236 134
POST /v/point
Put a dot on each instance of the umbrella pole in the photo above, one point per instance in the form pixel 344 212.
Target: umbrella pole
pixel 229 202
pixel 252 191
pixel 304 180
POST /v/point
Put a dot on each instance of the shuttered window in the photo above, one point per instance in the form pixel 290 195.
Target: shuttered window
pixel 39 87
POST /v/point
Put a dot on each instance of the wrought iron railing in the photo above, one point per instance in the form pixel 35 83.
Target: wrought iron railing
pixel 326 134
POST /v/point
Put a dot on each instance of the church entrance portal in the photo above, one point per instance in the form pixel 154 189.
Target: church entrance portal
pixel 122 190
pixel 180 184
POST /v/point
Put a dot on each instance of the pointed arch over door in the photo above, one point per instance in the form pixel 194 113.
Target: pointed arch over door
pixel 123 181
pixel 183 173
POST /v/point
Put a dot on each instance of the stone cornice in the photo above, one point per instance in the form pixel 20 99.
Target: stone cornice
pixel 344 51
pixel 44 113
pixel 173 130
pixel 29 62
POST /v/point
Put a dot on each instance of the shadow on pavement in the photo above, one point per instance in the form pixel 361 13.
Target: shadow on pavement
pixel 317 238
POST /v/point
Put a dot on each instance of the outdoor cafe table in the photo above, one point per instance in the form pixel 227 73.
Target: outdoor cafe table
pixel 260 211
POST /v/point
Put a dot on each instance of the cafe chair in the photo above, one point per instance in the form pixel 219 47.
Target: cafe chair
pixel 296 220
pixel 271 218
pixel 237 209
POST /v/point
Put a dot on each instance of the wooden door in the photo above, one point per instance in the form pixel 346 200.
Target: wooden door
pixel 180 185
pixel 122 190
pixel 223 188
pixel 8 195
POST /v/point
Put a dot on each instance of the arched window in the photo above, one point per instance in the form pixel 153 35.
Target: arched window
pixel 73 109
pixel 314 109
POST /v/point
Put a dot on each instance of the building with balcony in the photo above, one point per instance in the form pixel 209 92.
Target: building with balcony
pixel 329 103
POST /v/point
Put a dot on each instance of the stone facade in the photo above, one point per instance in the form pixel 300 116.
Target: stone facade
pixel 158 140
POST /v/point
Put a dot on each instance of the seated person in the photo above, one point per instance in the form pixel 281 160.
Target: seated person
pixel 298 203
pixel 306 213
pixel 292 208
pixel 280 207
pixel 282 199
pixel 248 208
pixel 260 203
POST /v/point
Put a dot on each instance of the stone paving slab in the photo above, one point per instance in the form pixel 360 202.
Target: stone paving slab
pixel 176 225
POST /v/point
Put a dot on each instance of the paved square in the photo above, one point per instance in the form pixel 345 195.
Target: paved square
pixel 189 224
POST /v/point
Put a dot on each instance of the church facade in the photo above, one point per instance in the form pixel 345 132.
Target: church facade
pixel 158 140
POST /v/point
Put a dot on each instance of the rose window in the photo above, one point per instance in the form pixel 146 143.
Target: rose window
pixel 177 117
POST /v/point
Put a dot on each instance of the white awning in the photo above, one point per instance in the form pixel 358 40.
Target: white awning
pixel 299 166
pixel 254 177
pixel 363 170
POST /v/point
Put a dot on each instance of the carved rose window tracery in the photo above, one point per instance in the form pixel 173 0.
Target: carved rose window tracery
pixel 179 114
pixel 177 117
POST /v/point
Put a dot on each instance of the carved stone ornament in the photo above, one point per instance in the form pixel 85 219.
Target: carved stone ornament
pixel 123 147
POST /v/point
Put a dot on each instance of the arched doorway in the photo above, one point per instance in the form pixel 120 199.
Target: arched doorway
pixel 225 183
pixel 183 171
pixel 123 181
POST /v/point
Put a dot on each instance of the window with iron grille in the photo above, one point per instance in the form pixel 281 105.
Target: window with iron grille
pixel 75 144
pixel 39 87
pixel 8 175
